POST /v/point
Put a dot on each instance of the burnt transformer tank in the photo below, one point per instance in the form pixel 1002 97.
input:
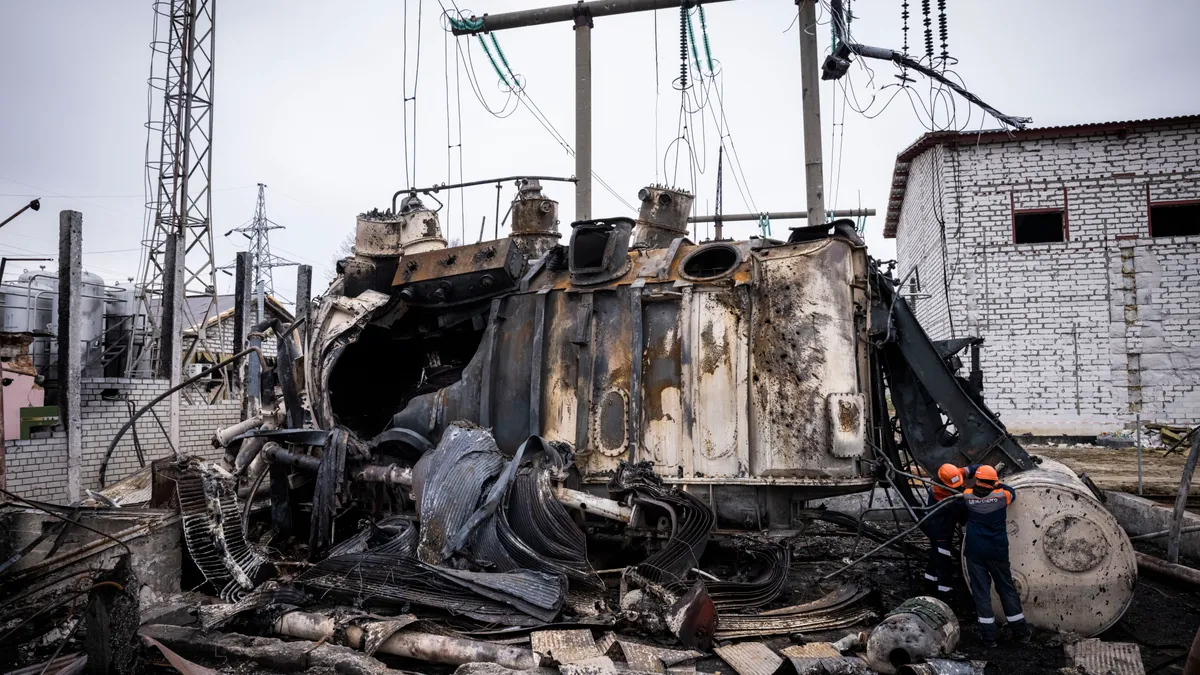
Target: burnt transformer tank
pixel 740 369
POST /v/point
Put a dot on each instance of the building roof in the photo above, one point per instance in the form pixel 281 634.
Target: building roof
pixel 935 138
pixel 198 305
pixel 195 307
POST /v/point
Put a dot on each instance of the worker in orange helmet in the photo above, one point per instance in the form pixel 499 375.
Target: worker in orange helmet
pixel 940 530
pixel 985 547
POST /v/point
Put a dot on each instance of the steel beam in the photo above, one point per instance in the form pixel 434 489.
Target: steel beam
pixel 561 13
pixel 781 215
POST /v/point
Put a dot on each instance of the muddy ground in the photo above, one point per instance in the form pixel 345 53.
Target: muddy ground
pixel 1162 619
pixel 1116 468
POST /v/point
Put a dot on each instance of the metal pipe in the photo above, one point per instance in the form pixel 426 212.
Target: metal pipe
pixel 35 204
pixel 1162 533
pixel 158 399
pixel 1181 497
pixel 393 474
pixel 1138 443
pixel 810 104
pixel 411 644
pixel 583 115
pixel 473 183
pixel 225 436
pixel 589 503
pixel 945 502
pixel 781 215
pixel 560 13
pixel 275 453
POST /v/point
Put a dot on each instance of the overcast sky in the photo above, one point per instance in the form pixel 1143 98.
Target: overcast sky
pixel 309 100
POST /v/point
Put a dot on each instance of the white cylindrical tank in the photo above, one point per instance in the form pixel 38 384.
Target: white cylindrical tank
pixel 1072 563
pixel 920 628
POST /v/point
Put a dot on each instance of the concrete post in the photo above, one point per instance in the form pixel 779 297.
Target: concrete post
pixel 170 340
pixel 583 116
pixel 70 343
pixel 303 302
pixel 241 320
pixel 810 103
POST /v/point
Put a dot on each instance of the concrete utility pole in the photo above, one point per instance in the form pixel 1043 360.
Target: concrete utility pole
pixel 70 343
pixel 583 117
pixel 810 102
pixel 581 14
pixel 242 280
pixel 303 302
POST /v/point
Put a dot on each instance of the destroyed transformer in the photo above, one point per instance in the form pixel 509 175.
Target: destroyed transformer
pixel 750 373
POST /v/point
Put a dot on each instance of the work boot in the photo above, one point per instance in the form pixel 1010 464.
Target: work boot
pixel 1021 631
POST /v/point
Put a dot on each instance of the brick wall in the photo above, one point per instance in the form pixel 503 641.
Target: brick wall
pixel 37 468
pixel 1082 335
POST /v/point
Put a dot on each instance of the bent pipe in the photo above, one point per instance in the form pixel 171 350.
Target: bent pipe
pixel 144 409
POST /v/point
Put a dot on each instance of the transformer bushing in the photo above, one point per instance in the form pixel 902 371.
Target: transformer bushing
pixel 414 229
pixel 534 220
pixel 663 216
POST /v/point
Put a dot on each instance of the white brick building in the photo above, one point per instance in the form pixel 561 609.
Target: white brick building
pixel 1075 252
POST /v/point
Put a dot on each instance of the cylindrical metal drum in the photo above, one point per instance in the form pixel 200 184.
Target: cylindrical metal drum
pixel 919 629
pixel 1072 564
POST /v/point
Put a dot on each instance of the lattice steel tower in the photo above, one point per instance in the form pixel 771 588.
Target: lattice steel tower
pixel 179 178
pixel 262 260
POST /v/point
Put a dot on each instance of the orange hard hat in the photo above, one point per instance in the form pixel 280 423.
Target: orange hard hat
pixel 987 475
pixel 950 475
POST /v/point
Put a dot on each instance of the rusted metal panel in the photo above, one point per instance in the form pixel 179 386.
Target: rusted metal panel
pixel 750 658
pixel 462 273
pixel 1113 658
pixel 662 409
pixel 721 438
pixel 804 348
pixel 847 424
pixel 565 646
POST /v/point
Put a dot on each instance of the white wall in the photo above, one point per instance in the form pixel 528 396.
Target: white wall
pixel 1080 335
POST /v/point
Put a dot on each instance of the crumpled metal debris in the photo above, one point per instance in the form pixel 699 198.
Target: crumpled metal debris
pixel 268 599
pixel 522 598
pixel 690 521
pixel 842 608
pixel 212 530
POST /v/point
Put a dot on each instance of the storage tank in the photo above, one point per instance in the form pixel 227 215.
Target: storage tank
pixel 1072 564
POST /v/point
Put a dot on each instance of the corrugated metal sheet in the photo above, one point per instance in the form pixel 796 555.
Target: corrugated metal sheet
pixel 652 659
pixel 1106 658
pixel 750 658
pixel 459 467
pixel 565 646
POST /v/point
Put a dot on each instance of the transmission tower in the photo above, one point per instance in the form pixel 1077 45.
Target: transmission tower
pixel 178 180
pixel 262 260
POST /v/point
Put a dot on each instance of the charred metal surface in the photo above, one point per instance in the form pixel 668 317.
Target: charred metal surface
pixel 213 533
pixel 842 608
pixel 687 520
pixel 941 419
pixel 663 215
pixel 463 462
pixel 454 276
pixel 522 598
pixel 599 250
pixel 771 563
pixel 534 220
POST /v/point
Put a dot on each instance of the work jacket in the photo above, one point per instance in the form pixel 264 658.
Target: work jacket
pixel 987 522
